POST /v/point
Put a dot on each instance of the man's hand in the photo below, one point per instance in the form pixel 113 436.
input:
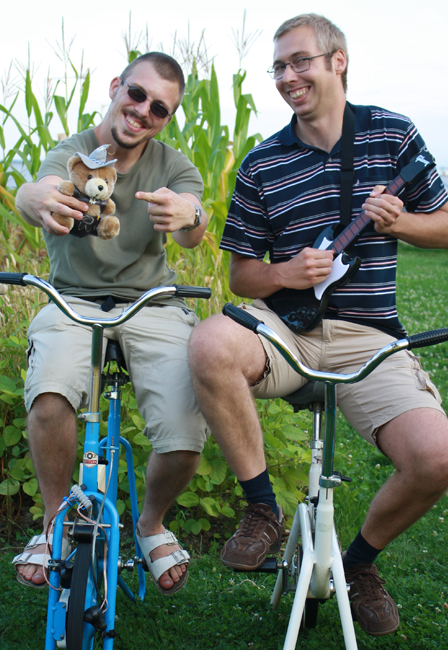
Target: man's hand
pixel 253 278
pixel 168 211
pixel 307 268
pixel 37 202
pixel 383 209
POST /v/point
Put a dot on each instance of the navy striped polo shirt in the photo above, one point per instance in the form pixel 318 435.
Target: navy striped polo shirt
pixel 287 192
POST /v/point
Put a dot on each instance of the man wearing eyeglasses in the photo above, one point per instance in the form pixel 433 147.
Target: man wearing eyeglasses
pixel 287 192
pixel 158 190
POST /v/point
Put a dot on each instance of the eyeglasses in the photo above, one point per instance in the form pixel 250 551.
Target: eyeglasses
pixel 137 95
pixel 299 64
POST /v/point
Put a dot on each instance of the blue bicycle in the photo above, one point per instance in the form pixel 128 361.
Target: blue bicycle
pixel 84 564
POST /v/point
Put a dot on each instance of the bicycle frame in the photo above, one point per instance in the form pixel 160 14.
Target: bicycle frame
pixel 56 614
pixel 321 572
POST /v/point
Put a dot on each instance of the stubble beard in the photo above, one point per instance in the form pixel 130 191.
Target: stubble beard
pixel 126 145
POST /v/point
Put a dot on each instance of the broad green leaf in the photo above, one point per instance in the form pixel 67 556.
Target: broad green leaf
pixel 61 109
pixel 204 468
pixel 138 420
pixel 196 527
pixel 141 440
pixel 294 433
pixel 11 436
pixel 7 385
pixel 211 506
pixel 288 502
pixel 9 487
pixel 273 441
pixel 219 471
pixel 188 499
pixel 30 487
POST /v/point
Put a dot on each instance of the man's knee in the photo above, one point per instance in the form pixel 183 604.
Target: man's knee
pixel 207 343
pixel 181 460
pixel 420 448
pixel 49 407
pixel 219 345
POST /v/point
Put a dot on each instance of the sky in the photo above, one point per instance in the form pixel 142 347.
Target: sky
pixel 398 52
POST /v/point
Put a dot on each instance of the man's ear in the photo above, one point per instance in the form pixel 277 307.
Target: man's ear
pixel 114 85
pixel 339 61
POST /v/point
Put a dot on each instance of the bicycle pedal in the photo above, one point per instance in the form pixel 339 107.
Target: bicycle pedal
pixel 270 565
pixel 95 617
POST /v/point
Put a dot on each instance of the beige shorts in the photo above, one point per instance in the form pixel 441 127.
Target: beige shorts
pixel 154 344
pixel 396 386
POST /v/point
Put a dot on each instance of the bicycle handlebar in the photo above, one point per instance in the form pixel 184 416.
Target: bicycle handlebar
pixel 24 279
pixel 432 337
pixel 421 340
pixel 13 278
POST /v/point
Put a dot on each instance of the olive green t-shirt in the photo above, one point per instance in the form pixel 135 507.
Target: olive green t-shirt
pixel 135 260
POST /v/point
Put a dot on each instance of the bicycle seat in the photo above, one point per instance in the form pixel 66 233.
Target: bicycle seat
pixel 303 398
pixel 114 353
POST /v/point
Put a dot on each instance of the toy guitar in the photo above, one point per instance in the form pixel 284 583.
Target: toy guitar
pixel 303 310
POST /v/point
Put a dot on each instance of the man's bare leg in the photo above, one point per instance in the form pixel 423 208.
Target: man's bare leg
pixel 52 435
pixel 417 444
pixel 166 476
pixel 225 360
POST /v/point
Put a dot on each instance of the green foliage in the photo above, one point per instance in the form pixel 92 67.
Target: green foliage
pixel 217 151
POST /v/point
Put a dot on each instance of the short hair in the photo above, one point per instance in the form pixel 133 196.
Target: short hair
pixel 329 37
pixel 164 64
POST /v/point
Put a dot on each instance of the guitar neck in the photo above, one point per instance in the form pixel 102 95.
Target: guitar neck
pixel 350 234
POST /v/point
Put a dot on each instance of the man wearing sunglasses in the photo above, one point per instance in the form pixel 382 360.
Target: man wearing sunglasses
pixel 287 192
pixel 158 191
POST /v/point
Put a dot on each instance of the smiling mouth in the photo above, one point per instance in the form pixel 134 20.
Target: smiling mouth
pixel 133 123
pixel 297 94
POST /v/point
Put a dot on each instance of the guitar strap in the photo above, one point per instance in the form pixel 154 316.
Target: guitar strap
pixel 347 171
pixel 295 307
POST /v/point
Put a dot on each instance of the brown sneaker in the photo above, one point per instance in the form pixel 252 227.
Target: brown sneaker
pixel 371 605
pixel 259 532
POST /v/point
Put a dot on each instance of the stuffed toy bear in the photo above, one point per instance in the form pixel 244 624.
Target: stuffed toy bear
pixel 92 181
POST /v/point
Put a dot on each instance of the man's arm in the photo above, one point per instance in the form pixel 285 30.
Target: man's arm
pixel 170 212
pixel 422 229
pixel 251 278
pixel 37 202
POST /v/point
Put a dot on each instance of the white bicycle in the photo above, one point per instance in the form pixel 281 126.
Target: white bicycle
pixel 312 563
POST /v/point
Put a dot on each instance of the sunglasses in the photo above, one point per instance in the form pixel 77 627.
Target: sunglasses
pixel 137 95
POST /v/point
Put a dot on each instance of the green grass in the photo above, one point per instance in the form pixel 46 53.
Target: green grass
pixel 228 611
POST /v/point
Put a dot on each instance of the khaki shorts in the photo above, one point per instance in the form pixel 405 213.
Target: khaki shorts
pixel 154 344
pixel 396 386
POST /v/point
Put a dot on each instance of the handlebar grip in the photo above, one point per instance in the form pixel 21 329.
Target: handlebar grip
pixel 424 339
pixel 193 292
pixel 12 278
pixel 241 317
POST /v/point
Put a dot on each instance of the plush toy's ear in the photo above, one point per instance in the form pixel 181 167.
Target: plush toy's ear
pixel 74 160
pixel 114 174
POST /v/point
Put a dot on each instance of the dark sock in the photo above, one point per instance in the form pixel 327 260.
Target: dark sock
pixel 259 490
pixel 360 552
